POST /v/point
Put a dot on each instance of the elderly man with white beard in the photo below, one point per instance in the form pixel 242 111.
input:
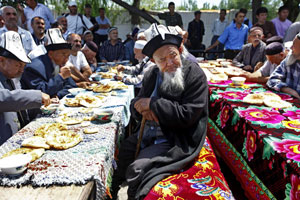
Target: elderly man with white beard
pixel 286 77
pixel 173 101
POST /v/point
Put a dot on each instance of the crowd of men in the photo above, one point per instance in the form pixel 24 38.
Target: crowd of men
pixel 41 61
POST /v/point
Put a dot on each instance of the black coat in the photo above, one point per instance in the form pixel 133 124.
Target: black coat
pixel 193 31
pixel 183 120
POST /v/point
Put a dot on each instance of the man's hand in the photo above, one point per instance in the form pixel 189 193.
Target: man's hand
pixel 149 115
pixel 120 68
pixel 142 105
pixel 54 100
pixel 247 67
pixel 45 99
pixel 258 66
pixel 83 84
pixel 118 78
pixel 65 72
pixel 290 91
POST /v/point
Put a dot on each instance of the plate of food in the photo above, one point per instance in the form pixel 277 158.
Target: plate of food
pixel 69 120
pixel 277 103
pixel 256 98
pixel 89 101
pixel 33 152
pixel 64 139
pixel 102 88
pixel 14 164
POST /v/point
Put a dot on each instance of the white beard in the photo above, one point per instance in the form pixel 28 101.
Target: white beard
pixel 290 59
pixel 173 82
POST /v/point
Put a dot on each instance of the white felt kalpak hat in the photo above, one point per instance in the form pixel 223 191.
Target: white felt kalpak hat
pixel 11 47
pixel 158 36
pixel 140 44
pixel 55 40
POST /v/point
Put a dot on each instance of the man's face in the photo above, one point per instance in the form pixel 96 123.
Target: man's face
pixel 113 35
pixel 167 58
pixel 171 8
pixel 222 14
pixel 76 42
pixel 73 10
pixel 89 54
pixel 198 16
pixel 283 15
pixel 38 26
pixel 296 48
pixel 240 18
pixel 10 16
pixel 138 54
pixel 60 57
pixel 255 37
pixel 88 11
pixel 30 3
pixel 276 59
pixel 11 68
pixel 88 37
pixel 101 13
pixel 262 17
pixel 63 22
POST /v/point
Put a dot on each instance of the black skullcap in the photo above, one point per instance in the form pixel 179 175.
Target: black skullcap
pixel 274 48
pixel 157 42
pixel 87 5
pixel 274 39
pixel 92 46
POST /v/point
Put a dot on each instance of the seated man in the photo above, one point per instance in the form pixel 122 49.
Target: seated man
pixel 112 50
pixel 90 50
pixel 252 53
pixel 49 72
pixel 286 77
pixel 173 101
pixel 80 69
pixel 138 70
pixel 14 102
pixel 275 54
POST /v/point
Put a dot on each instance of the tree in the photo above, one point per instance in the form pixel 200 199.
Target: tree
pixel 293 6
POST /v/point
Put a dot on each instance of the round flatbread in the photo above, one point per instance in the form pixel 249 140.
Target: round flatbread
pixel 90 130
pixel 277 103
pixel 271 95
pixel 48 128
pixel 35 142
pixel 72 102
pixel 63 139
pixel 35 153
pixel 69 120
pixel 256 98
pixel 102 88
pixel 90 101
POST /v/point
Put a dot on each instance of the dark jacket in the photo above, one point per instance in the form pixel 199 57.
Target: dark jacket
pixel 196 34
pixel 183 120
pixel 39 75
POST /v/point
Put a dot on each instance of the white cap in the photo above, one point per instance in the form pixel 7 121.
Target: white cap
pixel 11 47
pixel 155 30
pixel 288 45
pixel 55 40
pixel 72 3
pixel 139 44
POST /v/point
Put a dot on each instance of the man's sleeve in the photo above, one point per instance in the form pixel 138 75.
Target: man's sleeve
pixel 50 16
pixel 16 100
pixel 223 38
pixel 278 77
pixel 67 84
pixel 87 22
pixel 265 69
pixel 122 52
pixel 83 61
pixel 180 20
pixel 162 16
pixel 239 58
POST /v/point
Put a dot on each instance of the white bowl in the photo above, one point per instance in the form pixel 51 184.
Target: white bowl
pixel 75 91
pixel 49 109
pixel 103 115
pixel 238 80
pixel 15 164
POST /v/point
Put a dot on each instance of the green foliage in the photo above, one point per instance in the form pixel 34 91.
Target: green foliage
pixel 189 5
pixel 14 3
pixel 153 5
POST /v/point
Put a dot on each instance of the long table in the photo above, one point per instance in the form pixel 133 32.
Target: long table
pixel 75 172
pixel 261 145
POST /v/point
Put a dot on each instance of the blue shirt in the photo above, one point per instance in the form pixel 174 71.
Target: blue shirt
pixel 285 76
pixel 104 21
pixel 234 38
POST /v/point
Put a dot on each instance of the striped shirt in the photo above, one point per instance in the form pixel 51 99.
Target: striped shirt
pixel 285 76
pixel 41 11
pixel 27 40
pixel 111 52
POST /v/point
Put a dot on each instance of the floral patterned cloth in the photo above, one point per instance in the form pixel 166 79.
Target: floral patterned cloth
pixel 267 139
pixel 91 159
pixel 204 180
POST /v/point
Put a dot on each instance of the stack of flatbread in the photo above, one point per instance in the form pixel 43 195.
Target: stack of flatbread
pixel 117 85
pixel 102 88
pixel 267 98
pixel 88 101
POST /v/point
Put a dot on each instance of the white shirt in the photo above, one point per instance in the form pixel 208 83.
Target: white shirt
pixel 219 27
pixel 27 40
pixel 75 24
pixel 40 10
pixel 267 69
pixel 78 61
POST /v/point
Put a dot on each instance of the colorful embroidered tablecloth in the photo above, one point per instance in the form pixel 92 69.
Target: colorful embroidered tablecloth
pixel 261 145
pixel 203 180
pixel 91 159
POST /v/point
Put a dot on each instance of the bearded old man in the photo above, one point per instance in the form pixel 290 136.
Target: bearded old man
pixel 173 100
pixel 286 77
